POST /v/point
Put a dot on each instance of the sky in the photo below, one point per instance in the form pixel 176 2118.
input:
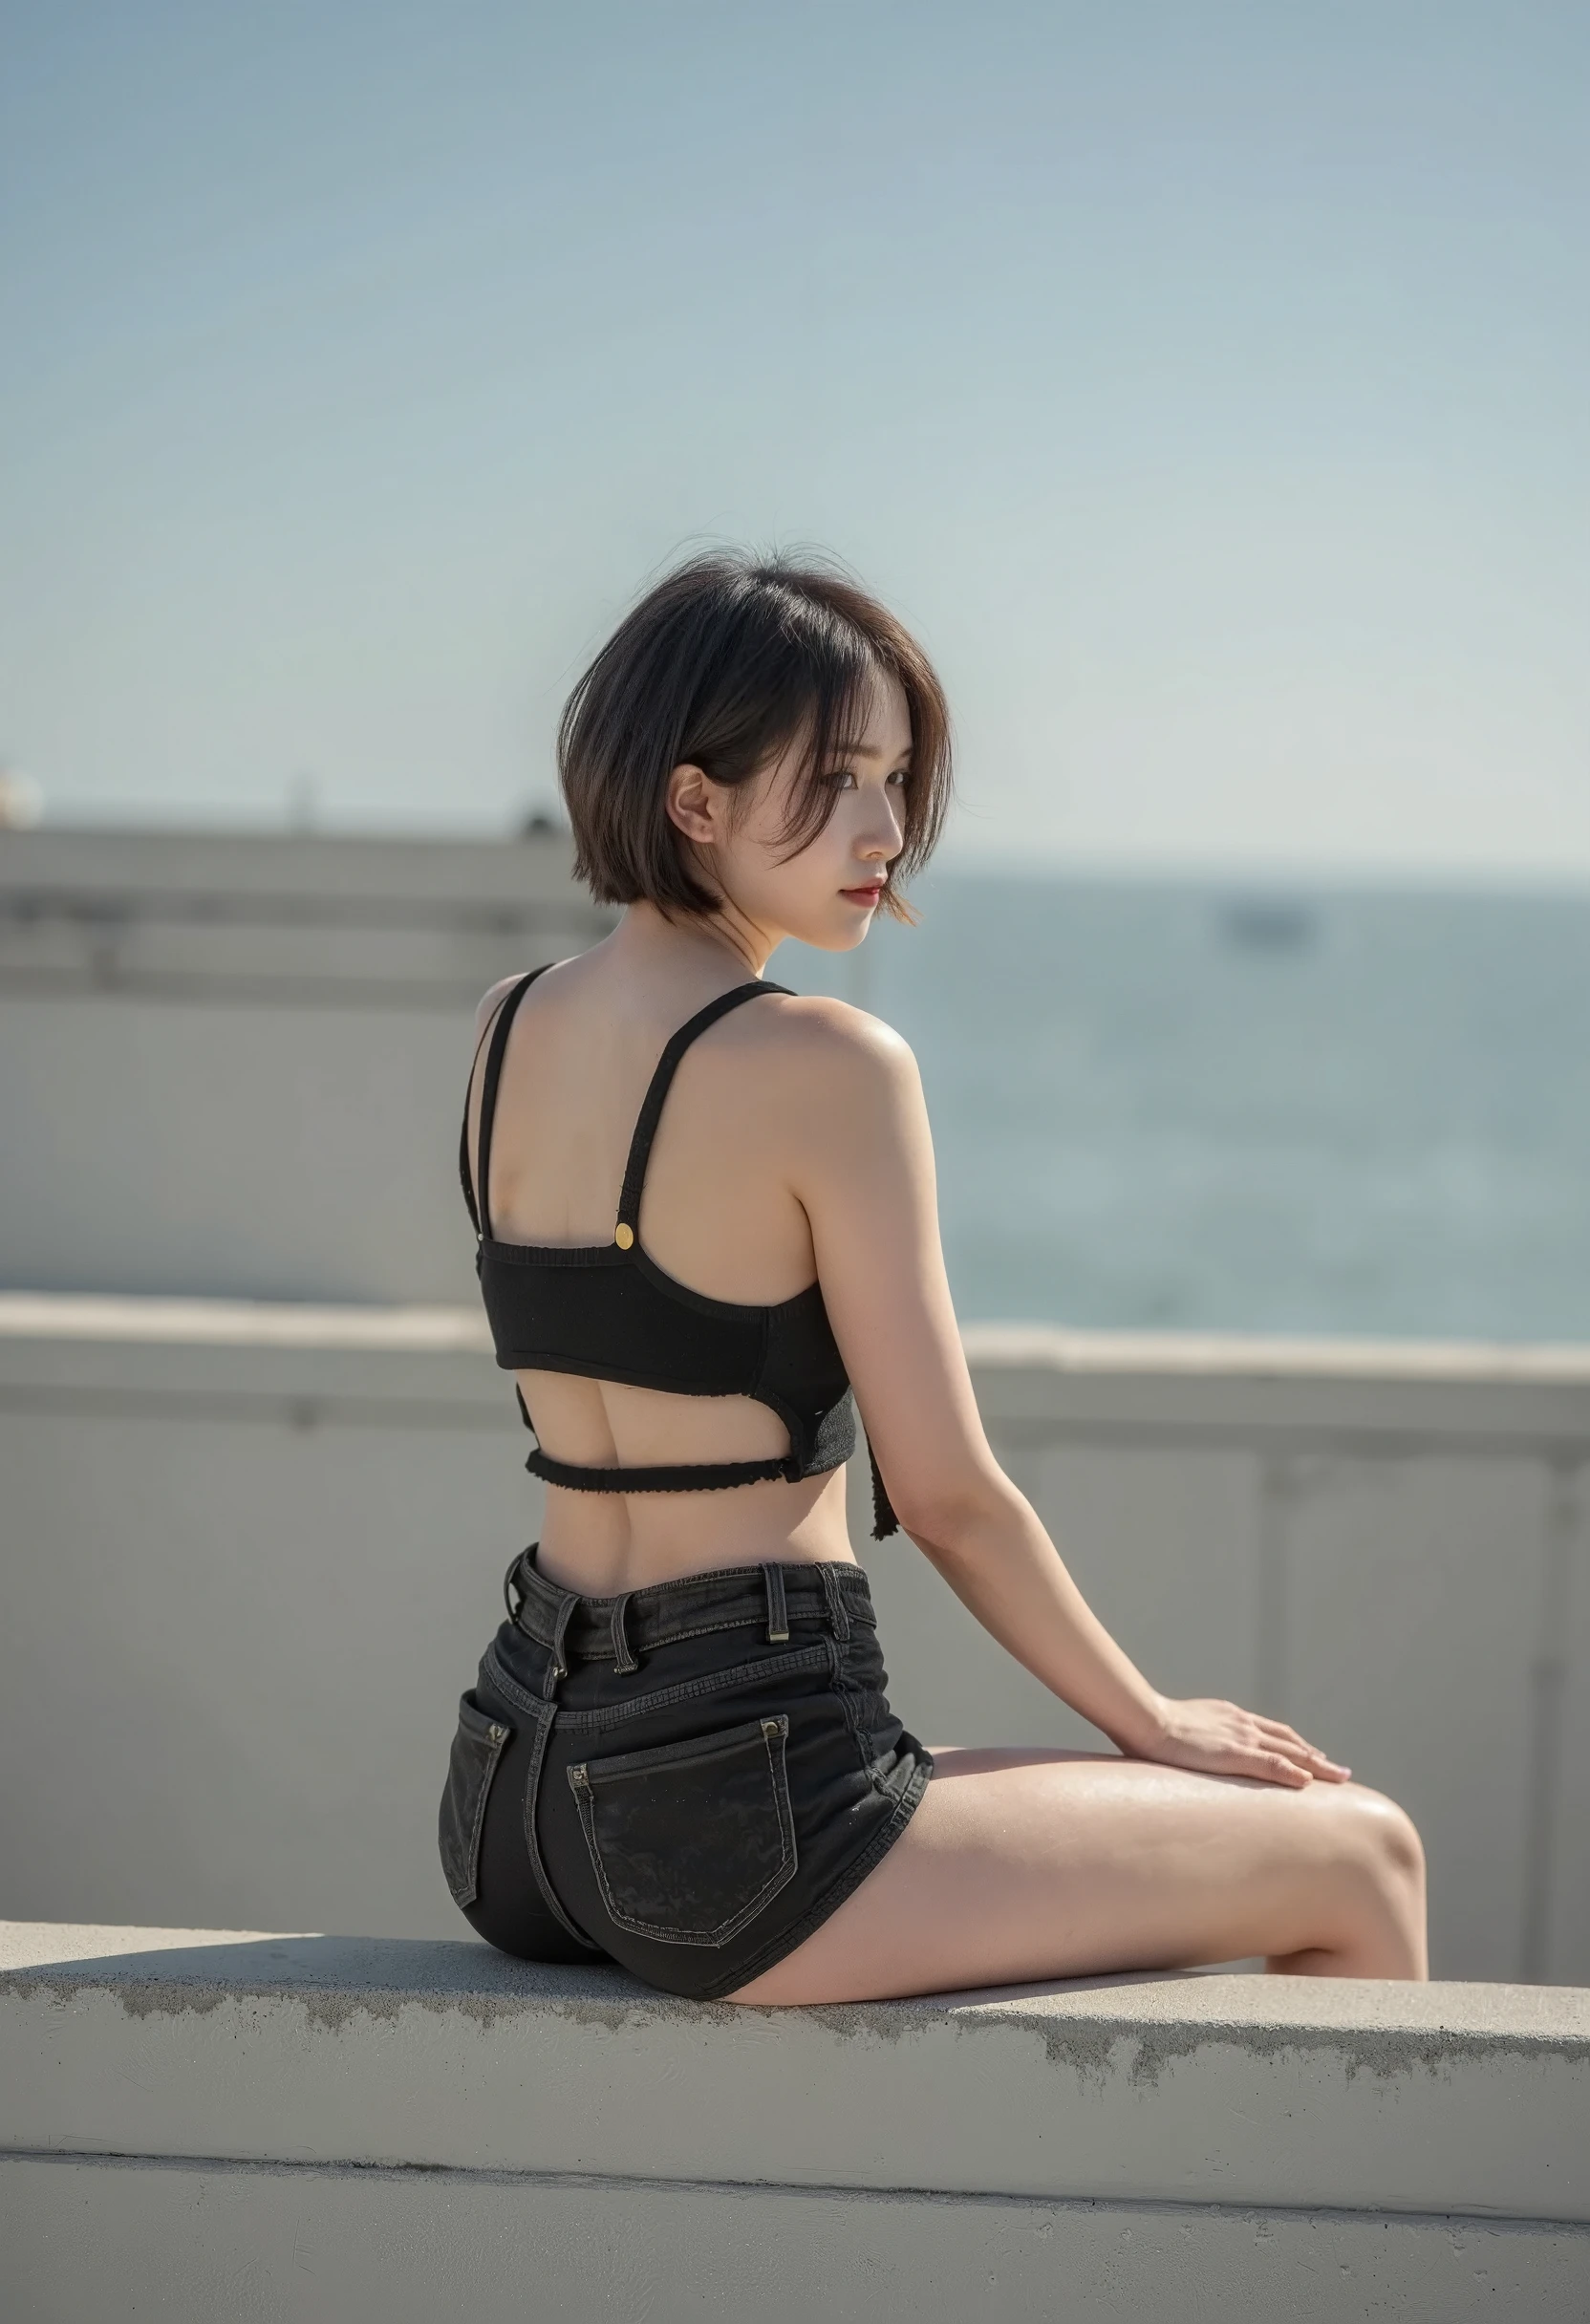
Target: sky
pixel 1209 385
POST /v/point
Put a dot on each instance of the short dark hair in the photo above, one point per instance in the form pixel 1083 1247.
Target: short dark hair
pixel 722 665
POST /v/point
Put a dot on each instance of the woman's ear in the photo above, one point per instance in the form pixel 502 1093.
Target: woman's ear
pixel 695 805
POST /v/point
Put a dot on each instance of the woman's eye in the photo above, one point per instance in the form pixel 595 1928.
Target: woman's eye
pixel 901 776
pixel 841 776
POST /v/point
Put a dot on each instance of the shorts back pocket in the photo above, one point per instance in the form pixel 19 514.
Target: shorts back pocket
pixel 478 1744
pixel 690 1841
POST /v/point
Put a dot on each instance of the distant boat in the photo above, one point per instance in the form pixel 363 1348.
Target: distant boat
pixel 1268 923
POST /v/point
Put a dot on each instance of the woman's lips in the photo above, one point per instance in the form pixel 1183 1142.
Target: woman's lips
pixel 869 894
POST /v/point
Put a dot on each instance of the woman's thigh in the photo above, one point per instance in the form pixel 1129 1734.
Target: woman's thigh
pixel 1020 1866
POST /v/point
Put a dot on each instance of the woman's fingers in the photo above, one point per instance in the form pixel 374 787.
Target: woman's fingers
pixel 1287 1739
pixel 1226 1740
pixel 1249 1755
pixel 1278 1753
pixel 1273 1767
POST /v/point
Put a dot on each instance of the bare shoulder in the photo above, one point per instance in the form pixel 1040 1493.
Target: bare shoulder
pixel 826 1050
pixel 490 1002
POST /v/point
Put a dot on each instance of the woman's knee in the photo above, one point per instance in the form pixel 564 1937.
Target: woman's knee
pixel 1378 1860
pixel 1386 1836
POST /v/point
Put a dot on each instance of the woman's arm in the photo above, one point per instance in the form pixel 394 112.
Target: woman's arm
pixel 864 1172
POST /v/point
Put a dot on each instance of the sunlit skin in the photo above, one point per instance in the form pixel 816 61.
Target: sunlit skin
pixel 795 1143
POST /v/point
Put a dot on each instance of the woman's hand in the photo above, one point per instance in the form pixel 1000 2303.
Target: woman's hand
pixel 1220 1739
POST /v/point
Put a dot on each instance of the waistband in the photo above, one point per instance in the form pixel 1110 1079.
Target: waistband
pixel 775 1600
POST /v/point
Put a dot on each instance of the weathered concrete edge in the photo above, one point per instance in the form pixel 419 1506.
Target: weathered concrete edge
pixel 1084 2039
pixel 172 1971
pixel 446 2056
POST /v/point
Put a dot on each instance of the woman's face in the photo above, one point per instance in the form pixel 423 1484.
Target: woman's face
pixel 827 894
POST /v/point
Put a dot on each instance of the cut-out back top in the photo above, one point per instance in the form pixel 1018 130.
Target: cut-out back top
pixel 606 1311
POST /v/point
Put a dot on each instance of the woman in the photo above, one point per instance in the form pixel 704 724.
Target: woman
pixel 705 1209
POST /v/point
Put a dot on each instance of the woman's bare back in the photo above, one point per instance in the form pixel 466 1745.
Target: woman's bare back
pixel 718 1215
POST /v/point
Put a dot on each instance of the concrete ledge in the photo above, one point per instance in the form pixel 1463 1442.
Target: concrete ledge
pixel 60 1315
pixel 1050 1347
pixel 1253 2089
pixel 1042 1347
pixel 1162 2143
pixel 1036 1385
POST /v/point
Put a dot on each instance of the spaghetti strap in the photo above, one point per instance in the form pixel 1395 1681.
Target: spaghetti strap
pixel 479 1197
pixel 606 1311
pixel 650 1111
pixel 466 1177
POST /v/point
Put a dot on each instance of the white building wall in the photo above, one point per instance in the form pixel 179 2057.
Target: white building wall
pixel 233 1065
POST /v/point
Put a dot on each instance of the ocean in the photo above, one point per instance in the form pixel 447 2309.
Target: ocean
pixel 1236 1107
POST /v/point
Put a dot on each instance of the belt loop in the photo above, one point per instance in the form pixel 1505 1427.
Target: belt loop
pixel 557 1668
pixel 623 1660
pixel 839 1613
pixel 513 1586
pixel 778 1612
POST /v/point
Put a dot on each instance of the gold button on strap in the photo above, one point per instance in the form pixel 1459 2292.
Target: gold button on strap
pixel 623 1235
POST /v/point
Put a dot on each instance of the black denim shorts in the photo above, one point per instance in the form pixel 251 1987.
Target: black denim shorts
pixel 687 1780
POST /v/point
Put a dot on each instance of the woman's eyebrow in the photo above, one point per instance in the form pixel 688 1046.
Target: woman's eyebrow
pixel 867 750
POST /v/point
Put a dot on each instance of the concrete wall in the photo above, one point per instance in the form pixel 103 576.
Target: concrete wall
pixel 199 2126
pixel 252 1554
pixel 233 1064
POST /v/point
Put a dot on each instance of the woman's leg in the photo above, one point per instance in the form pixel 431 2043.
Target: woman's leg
pixel 1020 1866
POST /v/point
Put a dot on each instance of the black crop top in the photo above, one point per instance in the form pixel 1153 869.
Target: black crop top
pixel 608 1311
